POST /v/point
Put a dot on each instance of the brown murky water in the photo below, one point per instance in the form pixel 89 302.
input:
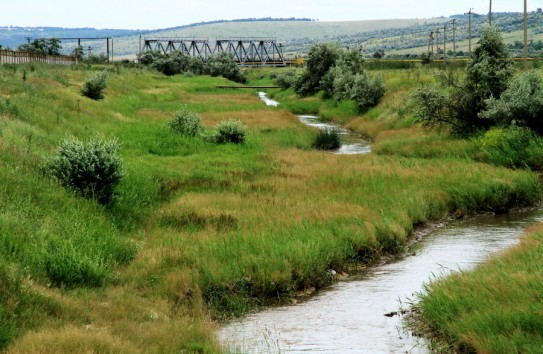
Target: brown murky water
pixel 349 316
pixel 353 143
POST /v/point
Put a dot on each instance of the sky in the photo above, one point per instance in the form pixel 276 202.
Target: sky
pixel 158 14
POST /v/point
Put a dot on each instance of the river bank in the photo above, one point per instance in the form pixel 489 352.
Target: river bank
pixel 199 232
pixel 364 313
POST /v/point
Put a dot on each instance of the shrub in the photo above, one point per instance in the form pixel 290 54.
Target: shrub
pixel 92 170
pixel 512 147
pixel 286 80
pixel 231 131
pixel 174 63
pixel 186 123
pixel 521 103
pixel 360 87
pixel 94 87
pixel 328 139
pixel 487 75
pixel 223 64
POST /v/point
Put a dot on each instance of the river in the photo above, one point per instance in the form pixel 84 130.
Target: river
pixel 352 143
pixel 349 317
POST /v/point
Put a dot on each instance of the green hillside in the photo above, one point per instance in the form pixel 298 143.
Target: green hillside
pixel 393 36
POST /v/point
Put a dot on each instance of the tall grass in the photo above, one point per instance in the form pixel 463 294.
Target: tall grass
pixel 492 309
pixel 201 230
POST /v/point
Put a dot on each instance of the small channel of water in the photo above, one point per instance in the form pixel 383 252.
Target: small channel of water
pixel 353 143
pixel 350 316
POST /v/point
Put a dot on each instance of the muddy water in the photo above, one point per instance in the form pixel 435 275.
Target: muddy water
pixel 349 316
pixel 353 143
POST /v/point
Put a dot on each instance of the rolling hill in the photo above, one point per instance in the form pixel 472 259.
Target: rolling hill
pixel 393 36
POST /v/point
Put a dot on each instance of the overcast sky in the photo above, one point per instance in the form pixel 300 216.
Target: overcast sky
pixel 156 14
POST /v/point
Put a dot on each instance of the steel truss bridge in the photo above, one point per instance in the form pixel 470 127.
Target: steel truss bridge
pixel 246 51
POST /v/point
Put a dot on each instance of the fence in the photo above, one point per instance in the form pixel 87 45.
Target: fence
pixel 16 57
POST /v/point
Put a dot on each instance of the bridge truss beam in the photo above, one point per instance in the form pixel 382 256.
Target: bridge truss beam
pixel 246 51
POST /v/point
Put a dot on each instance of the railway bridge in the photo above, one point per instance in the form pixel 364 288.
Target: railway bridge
pixel 246 51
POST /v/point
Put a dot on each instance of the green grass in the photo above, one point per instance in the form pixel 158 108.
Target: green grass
pixel 201 231
pixel 495 308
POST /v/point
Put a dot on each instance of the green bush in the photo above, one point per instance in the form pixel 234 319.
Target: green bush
pixel 328 139
pixel 286 79
pixel 521 103
pixel 93 170
pixel 231 131
pixel 186 123
pixel 94 87
pixel 512 147
pixel 360 88
pixel 487 75
pixel 223 64
pixel 174 63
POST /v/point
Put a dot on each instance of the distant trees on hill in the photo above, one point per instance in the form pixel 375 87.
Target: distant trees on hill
pixel 252 19
pixel 42 46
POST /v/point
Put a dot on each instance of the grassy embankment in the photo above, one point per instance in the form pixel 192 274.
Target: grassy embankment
pixel 201 231
pixel 496 308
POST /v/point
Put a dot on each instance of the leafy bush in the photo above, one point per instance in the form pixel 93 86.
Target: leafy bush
pixel 174 63
pixel 358 87
pixel 521 103
pixel 186 123
pixel 328 139
pixel 223 64
pixel 286 80
pixel 366 91
pixel 231 131
pixel 512 147
pixel 487 75
pixel 93 170
pixel 94 87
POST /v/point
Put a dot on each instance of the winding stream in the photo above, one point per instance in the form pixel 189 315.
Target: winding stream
pixel 352 143
pixel 350 316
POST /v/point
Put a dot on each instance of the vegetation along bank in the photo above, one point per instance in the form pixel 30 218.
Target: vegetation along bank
pixel 214 204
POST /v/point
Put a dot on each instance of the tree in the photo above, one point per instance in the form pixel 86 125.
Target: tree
pixel 42 46
pixel 487 75
pixel 379 54
pixel 77 53
pixel 320 59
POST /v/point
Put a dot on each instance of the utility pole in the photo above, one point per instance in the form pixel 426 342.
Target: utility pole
pixel 431 46
pixel 437 43
pixel 444 41
pixel 469 29
pixel 28 40
pixel 454 38
pixel 490 14
pixel 525 35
